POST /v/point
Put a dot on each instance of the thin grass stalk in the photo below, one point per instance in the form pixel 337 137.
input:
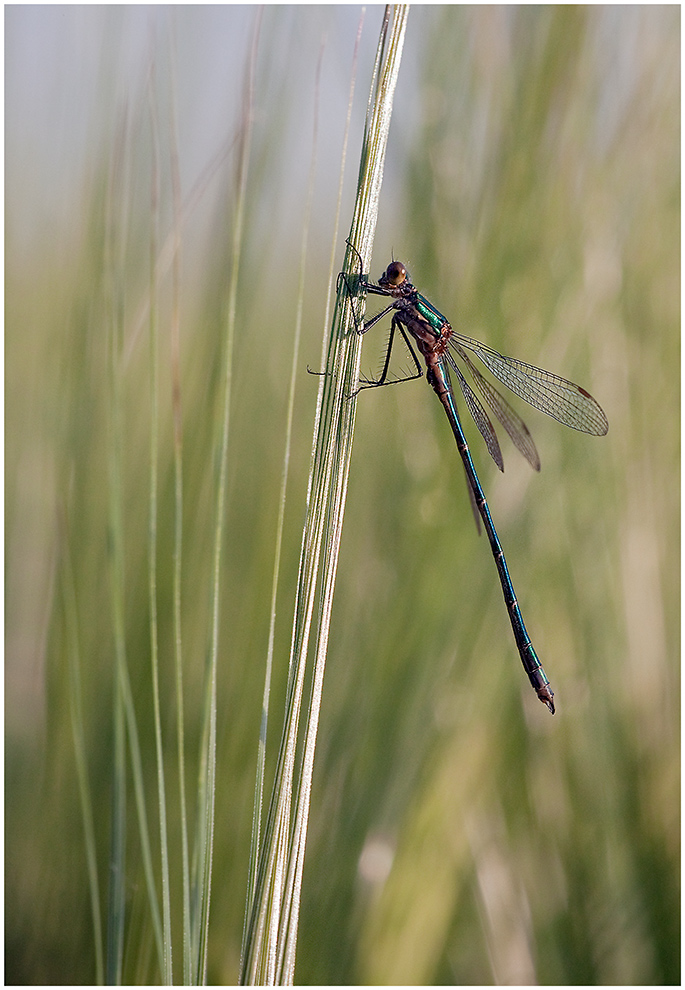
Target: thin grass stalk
pixel 116 893
pixel 208 787
pixel 71 621
pixel 261 756
pixel 116 896
pixel 124 712
pixel 167 972
pixel 177 411
pixel 164 262
pixel 165 255
pixel 338 205
pixel 272 928
pixel 294 373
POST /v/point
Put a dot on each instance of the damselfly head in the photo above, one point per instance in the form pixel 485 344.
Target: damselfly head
pixel 394 275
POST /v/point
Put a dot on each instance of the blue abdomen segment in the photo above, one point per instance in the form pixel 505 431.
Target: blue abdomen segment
pixel 529 657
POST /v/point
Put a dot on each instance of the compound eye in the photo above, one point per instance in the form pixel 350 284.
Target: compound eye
pixel 395 273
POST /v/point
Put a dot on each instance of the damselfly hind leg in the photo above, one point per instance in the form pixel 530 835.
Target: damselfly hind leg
pixel 384 378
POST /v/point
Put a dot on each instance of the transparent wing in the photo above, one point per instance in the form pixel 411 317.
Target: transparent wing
pixel 480 417
pixel 562 400
pixel 508 417
pixel 472 500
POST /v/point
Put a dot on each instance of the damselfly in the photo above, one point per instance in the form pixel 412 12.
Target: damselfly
pixel 419 321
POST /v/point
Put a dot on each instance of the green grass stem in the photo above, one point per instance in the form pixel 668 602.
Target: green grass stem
pixel 270 945
pixel 167 971
pixel 206 824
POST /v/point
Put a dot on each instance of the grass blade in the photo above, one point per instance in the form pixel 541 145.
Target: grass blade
pixel 167 972
pixel 272 926
pixel 208 798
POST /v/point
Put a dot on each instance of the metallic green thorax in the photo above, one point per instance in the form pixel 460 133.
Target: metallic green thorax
pixel 430 313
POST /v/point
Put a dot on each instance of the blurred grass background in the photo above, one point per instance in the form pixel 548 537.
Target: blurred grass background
pixel 458 833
